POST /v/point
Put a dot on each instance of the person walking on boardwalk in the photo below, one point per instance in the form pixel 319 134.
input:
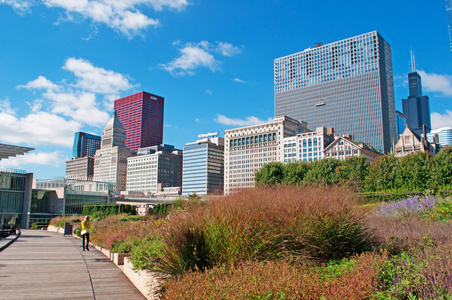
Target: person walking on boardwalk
pixel 86 225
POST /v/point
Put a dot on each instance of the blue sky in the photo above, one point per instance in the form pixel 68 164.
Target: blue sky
pixel 63 63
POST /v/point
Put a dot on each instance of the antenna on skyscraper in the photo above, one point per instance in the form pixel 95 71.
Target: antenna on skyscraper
pixel 413 61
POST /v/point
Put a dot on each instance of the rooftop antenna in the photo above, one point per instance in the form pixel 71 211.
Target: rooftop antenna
pixel 413 61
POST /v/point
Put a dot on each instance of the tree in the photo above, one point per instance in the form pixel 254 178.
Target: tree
pixel 382 174
pixel 295 172
pixel 354 171
pixel 270 174
pixel 323 171
pixel 441 174
pixel 413 172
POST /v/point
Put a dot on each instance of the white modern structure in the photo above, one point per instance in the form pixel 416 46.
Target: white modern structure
pixel 444 136
pixel 110 161
pixel 203 167
pixel 346 85
pixel 247 149
pixel 307 146
pixel 154 168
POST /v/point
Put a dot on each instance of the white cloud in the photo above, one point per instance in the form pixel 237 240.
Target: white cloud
pixel 40 83
pixel 208 92
pixel 192 56
pixel 54 159
pixel 437 83
pixel 19 6
pixel 240 122
pixel 82 107
pixel 197 120
pixel 121 15
pixel 441 120
pixel 5 107
pixel 95 79
pixel 40 128
pixel 78 100
pixel 239 80
pixel 227 49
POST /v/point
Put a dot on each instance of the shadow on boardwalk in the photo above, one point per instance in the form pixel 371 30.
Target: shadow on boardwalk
pixel 47 265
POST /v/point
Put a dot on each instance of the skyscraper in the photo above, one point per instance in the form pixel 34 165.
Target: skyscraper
pixel 141 114
pixel 110 161
pixel 400 124
pixel 203 167
pixel 416 107
pixel 347 85
pixel 449 21
pixel 85 144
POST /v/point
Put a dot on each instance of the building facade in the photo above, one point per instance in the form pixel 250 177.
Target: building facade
pixel 306 146
pixel 82 167
pixel 203 167
pixel 110 161
pixel 449 22
pixel 71 195
pixel 346 85
pixel 141 114
pixel 410 142
pixel 15 197
pixel 344 147
pixel 85 144
pixel 153 168
pixel 416 107
pixel 247 149
pixel 444 136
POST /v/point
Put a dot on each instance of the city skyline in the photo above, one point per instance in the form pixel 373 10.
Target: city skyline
pixel 64 66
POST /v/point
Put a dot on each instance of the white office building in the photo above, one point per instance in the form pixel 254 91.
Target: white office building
pixel 153 168
pixel 247 149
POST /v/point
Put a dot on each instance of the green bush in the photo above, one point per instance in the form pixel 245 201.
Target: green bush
pixel 121 246
pixel 147 253
pixel 441 211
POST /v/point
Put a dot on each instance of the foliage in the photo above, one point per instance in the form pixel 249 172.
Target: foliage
pixel 382 174
pixel 441 211
pixel 413 172
pixel 59 221
pixel 97 211
pixel 159 209
pixel 441 174
pixel 415 205
pixel 301 223
pixel 270 174
pixel 278 280
pixel 353 171
pixel 295 172
pixel 193 197
pixel 323 171
pixel 147 254
pixel 124 246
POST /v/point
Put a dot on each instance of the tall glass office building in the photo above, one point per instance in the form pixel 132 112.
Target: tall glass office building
pixel 203 167
pixel 347 85
pixel 85 144
pixel 449 22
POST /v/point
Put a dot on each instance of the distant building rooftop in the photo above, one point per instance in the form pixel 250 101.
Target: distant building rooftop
pixel 7 151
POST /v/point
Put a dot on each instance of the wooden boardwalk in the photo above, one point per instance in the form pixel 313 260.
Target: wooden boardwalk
pixel 47 265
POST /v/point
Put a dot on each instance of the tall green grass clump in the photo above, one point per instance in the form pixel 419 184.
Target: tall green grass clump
pixel 310 223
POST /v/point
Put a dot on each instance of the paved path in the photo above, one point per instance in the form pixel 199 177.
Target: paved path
pixel 47 265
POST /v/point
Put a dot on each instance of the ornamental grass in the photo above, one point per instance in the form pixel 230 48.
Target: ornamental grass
pixel 310 224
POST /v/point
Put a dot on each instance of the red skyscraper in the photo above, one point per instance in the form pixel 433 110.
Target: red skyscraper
pixel 141 114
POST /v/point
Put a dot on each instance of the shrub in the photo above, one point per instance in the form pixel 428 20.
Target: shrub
pixel 441 211
pixel 311 223
pixel 123 246
pixel 147 254
pixel 353 279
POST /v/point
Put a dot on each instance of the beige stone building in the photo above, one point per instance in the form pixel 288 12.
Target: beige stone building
pixel 110 161
pixel 247 149
pixel 410 142
pixel 343 147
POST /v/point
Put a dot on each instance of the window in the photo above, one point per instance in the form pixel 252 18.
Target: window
pixel 304 143
pixel 310 143
pixel 315 141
